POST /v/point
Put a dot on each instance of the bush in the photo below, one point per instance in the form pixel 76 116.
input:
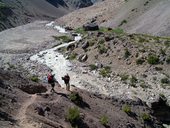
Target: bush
pixel 93 67
pixel 105 72
pixel 133 81
pixel 118 31
pixel 127 53
pixel 164 80
pixel 153 59
pixel 127 109
pixel 72 56
pixel 123 22
pixel 168 60
pixel 76 98
pixel 34 78
pixel 104 120
pixel 63 38
pixel 73 115
pixel 102 49
pixel 140 61
pixel 146 117
pixel 124 77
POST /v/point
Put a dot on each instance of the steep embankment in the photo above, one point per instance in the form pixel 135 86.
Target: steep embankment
pixel 143 16
pixel 134 16
pixel 18 12
pixel 62 109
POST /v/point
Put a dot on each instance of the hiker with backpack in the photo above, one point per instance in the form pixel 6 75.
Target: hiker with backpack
pixel 66 79
pixel 52 81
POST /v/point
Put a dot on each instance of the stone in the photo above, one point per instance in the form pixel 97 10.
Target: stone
pixel 68 28
pixel 82 57
pixel 91 27
pixel 71 47
pixel 85 45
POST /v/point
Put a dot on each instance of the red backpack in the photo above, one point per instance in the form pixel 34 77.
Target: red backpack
pixel 50 78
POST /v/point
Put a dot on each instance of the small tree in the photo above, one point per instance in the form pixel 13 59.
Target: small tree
pixel 153 59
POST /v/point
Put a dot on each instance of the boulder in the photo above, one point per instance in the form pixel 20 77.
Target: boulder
pixel 68 28
pixel 161 109
pixel 82 57
pixel 71 47
pixel 85 45
pixel 91 27
pixel 108 37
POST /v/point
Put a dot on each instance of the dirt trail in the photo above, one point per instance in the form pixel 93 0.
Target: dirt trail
pixel 24 122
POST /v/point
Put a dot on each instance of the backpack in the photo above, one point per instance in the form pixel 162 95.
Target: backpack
pixel 50 78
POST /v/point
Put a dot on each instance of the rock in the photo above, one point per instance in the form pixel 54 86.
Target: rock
pixel 99 65
pixel 85 45
pixel 108 38
pixel 83 57
pixel 68 28
pixel 40 111
pixel 91 27
pixel 99 34
pixel 74 34
pixel 71 47
pixel 161 109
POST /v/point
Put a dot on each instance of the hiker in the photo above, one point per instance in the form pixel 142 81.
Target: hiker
pixel 51 80
pixel 66 79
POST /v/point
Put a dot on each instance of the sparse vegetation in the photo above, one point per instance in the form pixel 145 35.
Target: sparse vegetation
pixel 133 81
pixel 72 56
pixel 34 78
pixel 140 61
pixel 118 31
pixel 127 53
pixel 81 31
pixel 153 59
pixel 168 60
pixel 123 22
pixel 102 48
pixel 75 97
pixel 127 109
pixel 63 38
pixel 105 72
pixel 165 80
pixel 124 77
pixel 104 120
pixel 146 117
pixel 73 115
pixel 93 67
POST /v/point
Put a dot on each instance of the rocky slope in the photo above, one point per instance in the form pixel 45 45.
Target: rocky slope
pixel 139 16
pixel 20 109
pixel 19 12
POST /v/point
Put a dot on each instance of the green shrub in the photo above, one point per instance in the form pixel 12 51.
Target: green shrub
pixel 72 56
pixel 140 61
pixel 73 115
pixel 104 120
pixel 118 31
pixel 80 31
pixel 127 109
pixel 76 98
pixel 63 38
pixel 105 72
pixel 158 68
pixel 34 78
pixel 133 81
pixel 93 67
pixel 124 77
pixel 165 80
pixel 168 60
pixel 153 59
pixel 146 117
pixel 102 49
pixel 123 22
pixel 127 53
